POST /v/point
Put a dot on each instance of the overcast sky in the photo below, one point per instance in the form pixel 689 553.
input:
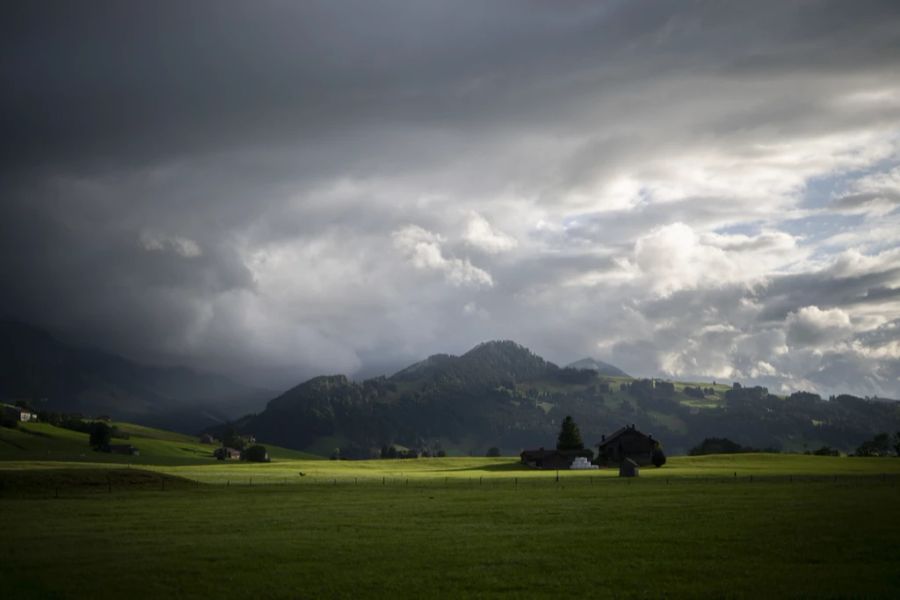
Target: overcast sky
pixel 281 189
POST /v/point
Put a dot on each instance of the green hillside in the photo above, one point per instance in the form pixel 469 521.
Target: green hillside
pixel 500 394
pixel 45 442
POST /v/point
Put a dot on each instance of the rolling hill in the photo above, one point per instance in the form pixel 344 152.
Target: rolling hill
pixel 46 442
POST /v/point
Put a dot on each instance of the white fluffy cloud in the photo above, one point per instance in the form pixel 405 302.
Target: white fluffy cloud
pixel 482 235
pixel 424 251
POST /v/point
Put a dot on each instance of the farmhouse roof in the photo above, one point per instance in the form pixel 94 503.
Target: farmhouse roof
pixel 619 433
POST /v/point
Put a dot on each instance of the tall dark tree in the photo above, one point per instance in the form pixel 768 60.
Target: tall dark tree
pixel 231 439
pixel 101 434
pixel 569 436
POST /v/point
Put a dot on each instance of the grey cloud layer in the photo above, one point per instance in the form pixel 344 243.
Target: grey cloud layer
pixel 280 190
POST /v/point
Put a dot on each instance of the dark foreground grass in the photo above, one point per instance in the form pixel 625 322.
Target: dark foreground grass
pixel 646 538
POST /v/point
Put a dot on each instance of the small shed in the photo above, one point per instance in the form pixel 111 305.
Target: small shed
pixel 629 468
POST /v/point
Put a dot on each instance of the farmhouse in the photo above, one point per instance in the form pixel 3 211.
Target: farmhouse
pixel 18 414
pixel 224 453
pixel 625 443
pixel 548 459
pixel 124 449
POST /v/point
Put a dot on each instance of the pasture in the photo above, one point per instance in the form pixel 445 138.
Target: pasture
pixel 733 526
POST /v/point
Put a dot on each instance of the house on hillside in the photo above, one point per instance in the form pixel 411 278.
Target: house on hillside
pixel 625 443
pixel 548 459
pixel 224 453
pixel 124 449
pixel 16 413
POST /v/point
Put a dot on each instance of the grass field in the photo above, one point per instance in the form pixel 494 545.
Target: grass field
pixel 687 538
pixel 713 526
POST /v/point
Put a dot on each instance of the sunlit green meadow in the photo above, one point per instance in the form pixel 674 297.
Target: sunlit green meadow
pixel 183 525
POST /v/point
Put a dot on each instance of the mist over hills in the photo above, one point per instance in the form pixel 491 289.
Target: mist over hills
pixel 602 368
pixel 55 376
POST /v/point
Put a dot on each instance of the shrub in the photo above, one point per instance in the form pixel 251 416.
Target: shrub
pixel 658 457
pixel 255 453
pixel 718 446
pixel 827 451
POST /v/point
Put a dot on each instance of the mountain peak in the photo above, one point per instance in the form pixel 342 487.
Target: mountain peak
pixel 507 347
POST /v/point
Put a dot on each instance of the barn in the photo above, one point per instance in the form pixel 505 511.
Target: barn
pixel 627 442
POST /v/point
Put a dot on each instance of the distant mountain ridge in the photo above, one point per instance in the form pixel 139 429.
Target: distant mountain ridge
pixel 502 394
pixel 55 376
pixel 602 368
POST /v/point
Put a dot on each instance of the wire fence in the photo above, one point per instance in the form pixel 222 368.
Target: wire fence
pixel 119 481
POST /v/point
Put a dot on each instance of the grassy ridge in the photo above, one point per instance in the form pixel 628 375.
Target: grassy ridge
pixel 44 442
pixel 685 539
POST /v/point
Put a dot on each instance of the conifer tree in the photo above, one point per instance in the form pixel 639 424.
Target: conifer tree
pixel 569 436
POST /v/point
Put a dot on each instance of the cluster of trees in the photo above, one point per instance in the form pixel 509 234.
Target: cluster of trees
pixel 698 392
pixel 882 444
pixel 716 445
pixel 398 451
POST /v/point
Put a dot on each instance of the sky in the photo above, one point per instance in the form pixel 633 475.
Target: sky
pixel 275 190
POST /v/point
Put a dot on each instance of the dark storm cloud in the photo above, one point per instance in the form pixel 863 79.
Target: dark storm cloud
pixel 302 187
